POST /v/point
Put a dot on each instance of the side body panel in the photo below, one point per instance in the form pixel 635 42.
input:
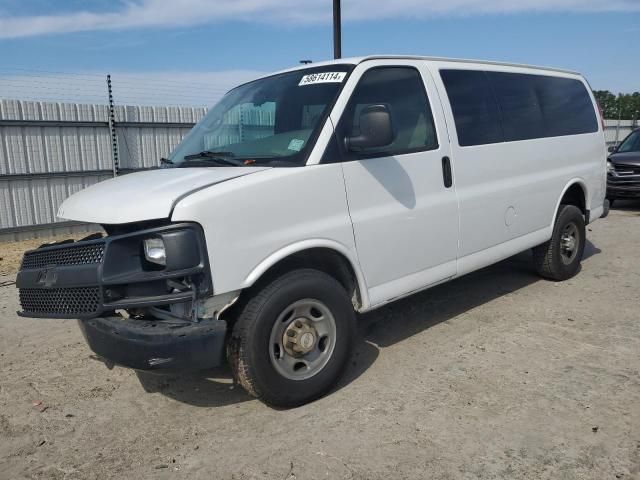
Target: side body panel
pixel 509 192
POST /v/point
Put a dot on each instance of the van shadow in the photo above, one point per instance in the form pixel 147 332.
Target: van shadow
pixel 381 328
pixel 412 315
pixel 590 250
pixel 394 178
pixel 632 205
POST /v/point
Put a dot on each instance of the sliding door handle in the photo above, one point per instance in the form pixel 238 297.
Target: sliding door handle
pixel 446 172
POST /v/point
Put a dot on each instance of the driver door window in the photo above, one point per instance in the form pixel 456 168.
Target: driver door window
pixel 402 91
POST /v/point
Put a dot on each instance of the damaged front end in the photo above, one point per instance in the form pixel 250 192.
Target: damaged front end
pixel 143 298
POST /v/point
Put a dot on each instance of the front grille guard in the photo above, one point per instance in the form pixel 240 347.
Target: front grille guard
pixel 64 255
pixel 71 280
pixel 79 301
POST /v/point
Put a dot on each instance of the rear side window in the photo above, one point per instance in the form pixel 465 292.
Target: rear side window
pixel 520 106
pixel 474 106
pixel 528 106
pixel 538 106
pixel 401 89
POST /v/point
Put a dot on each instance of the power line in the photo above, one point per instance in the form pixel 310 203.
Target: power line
pixel 9 69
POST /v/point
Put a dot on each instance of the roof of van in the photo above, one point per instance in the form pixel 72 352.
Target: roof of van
pixel 357 60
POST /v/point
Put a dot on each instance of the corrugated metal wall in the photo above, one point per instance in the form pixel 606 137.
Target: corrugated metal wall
pixel 49 151
pixel 158 132
pixel 615 131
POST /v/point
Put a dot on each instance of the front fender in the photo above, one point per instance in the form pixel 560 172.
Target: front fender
pixel 301 246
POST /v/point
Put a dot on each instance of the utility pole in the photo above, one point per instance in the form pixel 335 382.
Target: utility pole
pixel 337 30
pixel 619 119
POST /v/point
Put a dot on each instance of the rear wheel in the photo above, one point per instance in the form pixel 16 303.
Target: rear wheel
pixel 559 258
pixel 292 339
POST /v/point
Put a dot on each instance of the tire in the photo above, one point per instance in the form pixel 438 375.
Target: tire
pixel 611 201
pixel 555 260
pixel 292 307
pixel 606 208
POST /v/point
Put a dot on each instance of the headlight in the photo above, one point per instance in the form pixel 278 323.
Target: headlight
pixel 610 168
pixel 154 251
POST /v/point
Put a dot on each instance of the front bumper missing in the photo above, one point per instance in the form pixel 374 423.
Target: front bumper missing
pixel 156 345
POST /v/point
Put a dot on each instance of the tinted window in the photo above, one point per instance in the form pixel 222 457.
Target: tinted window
pixel 474 106
pixel 402 91
pixel 490 107
pixel 537 106
pixel 519 103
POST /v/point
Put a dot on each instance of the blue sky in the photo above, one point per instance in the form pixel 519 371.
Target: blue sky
pixel 222 42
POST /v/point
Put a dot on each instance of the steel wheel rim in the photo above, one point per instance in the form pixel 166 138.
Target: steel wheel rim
pixel 298 358
pixel 569 243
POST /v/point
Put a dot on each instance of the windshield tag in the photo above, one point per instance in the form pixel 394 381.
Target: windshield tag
pixel 296 145
pixel 325 77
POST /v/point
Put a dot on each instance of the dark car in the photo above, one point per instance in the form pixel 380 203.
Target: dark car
pixel 623 169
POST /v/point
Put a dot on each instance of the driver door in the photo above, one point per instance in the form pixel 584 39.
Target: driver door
pixel 403 209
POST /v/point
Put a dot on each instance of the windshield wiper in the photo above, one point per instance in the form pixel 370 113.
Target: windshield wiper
pixel 220 157
pixel 166 161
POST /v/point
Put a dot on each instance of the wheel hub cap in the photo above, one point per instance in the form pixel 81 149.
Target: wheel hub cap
pixel 302 339
pixel 568 243
pixel 299 338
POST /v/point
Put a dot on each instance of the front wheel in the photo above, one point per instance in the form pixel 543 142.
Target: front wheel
pixel 559 258
pixel 292 339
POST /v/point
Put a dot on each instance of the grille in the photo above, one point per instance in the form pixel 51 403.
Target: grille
pixel 72 255
pixel 623 170
pixel 60 301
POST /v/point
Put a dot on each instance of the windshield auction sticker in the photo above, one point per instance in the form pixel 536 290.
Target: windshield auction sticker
pixel 296 145
pixel 324 77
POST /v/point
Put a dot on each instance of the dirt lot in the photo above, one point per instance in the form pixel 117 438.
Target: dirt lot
pixel 496 375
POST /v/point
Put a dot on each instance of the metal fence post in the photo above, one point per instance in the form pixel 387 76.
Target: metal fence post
pixel 112 128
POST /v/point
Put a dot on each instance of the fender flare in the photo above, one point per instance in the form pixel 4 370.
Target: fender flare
pixel 576 180
pixel 309 244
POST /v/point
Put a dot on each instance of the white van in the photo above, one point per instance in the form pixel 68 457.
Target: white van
pixel 309 195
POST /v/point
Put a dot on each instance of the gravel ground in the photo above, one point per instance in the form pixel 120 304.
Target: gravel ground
pixel 495 375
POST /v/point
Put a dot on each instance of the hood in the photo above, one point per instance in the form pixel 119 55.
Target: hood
pixel 144 195
pixel 625 158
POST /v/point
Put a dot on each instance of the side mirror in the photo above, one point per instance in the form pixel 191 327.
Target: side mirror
pixel 375 129
pixel 612 149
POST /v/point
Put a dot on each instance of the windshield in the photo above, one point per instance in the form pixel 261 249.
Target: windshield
pixel 631 143
pixel 272 121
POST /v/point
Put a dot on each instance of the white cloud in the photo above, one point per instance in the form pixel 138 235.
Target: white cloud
pixel 176 13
